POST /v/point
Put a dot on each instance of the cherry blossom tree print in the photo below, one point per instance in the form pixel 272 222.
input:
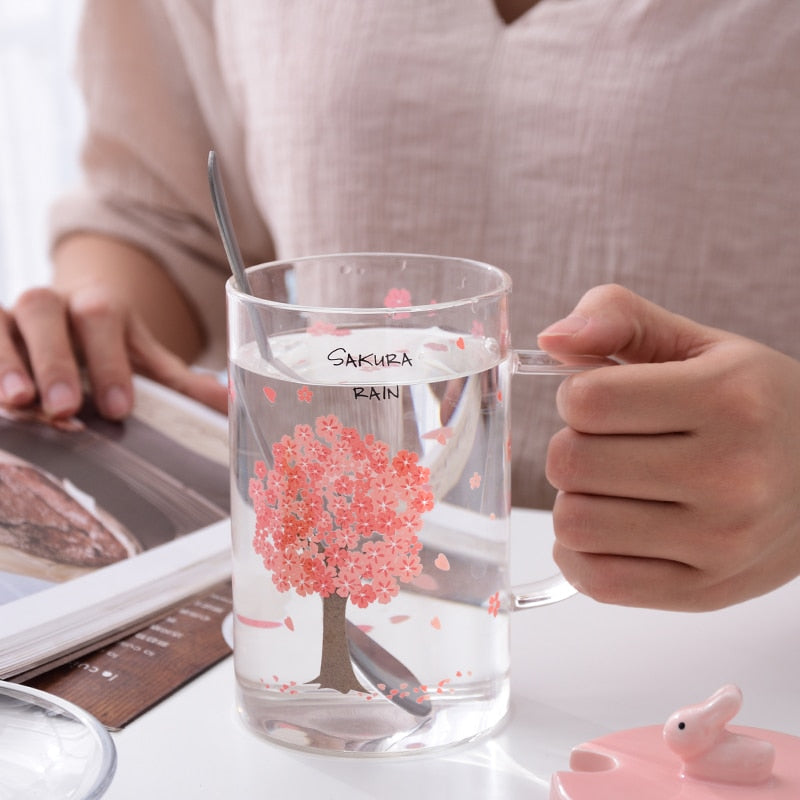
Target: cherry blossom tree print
pixel 338 516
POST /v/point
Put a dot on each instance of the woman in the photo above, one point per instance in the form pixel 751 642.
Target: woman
pixel 651 144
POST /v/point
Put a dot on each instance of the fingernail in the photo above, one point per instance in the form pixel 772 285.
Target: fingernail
pixel 568 326
pixel 59 398
pixel 15 387
pixel 116 402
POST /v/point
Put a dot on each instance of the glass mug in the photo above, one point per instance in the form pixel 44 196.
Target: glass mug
pixel 370 476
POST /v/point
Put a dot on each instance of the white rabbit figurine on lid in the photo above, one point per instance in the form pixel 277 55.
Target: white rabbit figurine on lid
pixel 710 751
pixel 714 761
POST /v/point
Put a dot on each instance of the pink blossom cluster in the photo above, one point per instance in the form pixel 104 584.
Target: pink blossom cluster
pixel 338 513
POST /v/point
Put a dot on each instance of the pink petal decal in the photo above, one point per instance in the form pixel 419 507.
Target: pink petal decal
pixel 320 328
pixel 289 623
pixel 397 298
pixel 436 623
pixel 440 434
pixel 257 623
pixel 397 618
pixel 427 583
pixel 269 393
pixel 460 343
pixel 441 562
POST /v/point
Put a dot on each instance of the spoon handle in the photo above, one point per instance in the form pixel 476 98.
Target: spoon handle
pixel 225 224
pixel 234 254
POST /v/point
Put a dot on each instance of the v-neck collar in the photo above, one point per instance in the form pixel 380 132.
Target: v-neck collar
pixel 511 11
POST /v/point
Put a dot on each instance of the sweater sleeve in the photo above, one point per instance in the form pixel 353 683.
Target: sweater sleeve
pixel 155 105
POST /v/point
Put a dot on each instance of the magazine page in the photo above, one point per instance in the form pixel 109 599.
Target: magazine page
pixel 103 525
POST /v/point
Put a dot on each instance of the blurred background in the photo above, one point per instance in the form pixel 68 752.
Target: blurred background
pixel 40 128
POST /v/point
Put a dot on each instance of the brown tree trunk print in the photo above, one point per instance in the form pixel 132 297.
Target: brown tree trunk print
pixel 336 669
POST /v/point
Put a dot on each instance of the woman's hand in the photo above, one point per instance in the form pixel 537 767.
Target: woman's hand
pixel 91 322
pixel 679 471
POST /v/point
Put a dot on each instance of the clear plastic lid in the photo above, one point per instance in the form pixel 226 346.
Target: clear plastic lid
pixel 50 748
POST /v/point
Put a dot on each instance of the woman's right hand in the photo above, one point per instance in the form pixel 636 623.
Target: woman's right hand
pixel 91 323
pixel 46 339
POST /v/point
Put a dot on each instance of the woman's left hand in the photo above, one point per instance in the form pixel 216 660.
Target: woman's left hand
pixel 679 470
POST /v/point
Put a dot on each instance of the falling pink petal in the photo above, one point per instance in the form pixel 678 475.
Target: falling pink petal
pixel 397 618
pixel 320 328
pixel 436 346
pixel 494 604
pixel 475 481
pixel 460 343
pixel 364 628
pixel 436 623
pixel 257 623
pixel 441 562
pixel 441 435
pixel 426 582
pixel 269 393
pixel 289 623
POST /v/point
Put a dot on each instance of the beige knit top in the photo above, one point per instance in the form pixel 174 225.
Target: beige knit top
pixel 654 143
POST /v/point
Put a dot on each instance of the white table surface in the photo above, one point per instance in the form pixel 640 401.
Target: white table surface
pixel 579 669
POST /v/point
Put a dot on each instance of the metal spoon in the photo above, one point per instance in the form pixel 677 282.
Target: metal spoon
pixel 225 225
pixel 235 260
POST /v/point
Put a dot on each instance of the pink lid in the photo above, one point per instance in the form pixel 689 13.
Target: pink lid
pixel 693 756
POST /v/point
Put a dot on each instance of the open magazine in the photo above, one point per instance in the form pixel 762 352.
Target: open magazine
pixel 105 525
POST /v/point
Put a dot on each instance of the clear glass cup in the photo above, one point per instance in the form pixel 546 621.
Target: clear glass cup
pixel 370 452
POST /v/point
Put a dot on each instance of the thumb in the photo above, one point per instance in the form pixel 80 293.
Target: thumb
pixel 613 321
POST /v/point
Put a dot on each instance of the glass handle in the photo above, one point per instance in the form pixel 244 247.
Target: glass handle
pixel 541 593
pixel 537 362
